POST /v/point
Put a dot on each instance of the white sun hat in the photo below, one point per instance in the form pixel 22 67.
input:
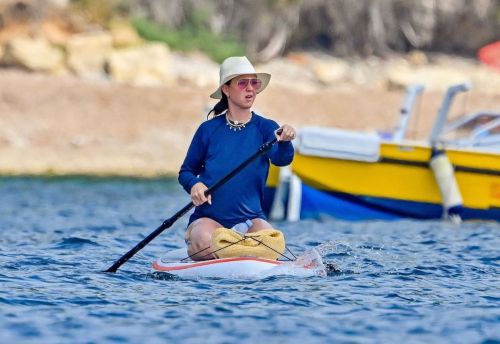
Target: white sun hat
pixel 234 66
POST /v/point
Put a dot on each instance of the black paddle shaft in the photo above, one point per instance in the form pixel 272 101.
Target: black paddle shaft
pixel 169 222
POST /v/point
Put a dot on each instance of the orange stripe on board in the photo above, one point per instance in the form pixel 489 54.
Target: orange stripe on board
pixel 159 267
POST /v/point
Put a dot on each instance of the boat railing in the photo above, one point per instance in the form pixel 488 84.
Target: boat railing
pixel 477 129
pixel 412 93
pixel 442 116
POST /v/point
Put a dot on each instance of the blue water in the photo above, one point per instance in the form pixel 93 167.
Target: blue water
pixel 408 281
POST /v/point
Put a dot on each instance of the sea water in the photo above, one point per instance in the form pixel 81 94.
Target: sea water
pixel 402 281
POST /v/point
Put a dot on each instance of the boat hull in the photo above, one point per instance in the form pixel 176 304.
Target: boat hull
pixel 400 184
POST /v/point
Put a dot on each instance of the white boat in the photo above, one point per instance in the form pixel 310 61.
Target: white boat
pixel 307 265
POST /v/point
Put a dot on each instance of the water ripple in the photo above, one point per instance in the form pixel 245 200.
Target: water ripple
pixel 74 243
pixel 413 281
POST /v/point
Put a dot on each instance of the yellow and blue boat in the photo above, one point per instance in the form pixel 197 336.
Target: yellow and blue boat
pixel 359 176
pixel 400 184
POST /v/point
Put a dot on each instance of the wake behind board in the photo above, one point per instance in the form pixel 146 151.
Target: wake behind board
pixel 242 267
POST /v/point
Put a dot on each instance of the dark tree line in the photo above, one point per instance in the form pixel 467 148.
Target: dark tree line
pixel 269 28
pixel 342 27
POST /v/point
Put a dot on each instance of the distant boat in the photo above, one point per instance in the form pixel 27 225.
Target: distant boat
pixel 360 176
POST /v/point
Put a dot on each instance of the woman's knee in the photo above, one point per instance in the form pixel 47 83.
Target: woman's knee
pixel 199 238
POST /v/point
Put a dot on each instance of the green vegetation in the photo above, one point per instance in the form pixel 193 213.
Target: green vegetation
pixel 194 35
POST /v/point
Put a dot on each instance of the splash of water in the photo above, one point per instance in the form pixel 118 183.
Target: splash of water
pixel 327 248
pixel 331 247
pixel 306 265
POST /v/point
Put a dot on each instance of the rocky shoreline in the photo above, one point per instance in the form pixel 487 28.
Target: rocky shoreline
pixel 83 100
pixel 68 125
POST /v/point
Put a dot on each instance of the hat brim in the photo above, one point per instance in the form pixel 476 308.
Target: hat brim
pixel 265 77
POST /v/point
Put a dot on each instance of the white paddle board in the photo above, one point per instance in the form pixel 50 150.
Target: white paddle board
pixel 243 267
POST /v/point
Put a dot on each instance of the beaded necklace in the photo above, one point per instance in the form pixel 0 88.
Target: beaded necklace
pixel 235 125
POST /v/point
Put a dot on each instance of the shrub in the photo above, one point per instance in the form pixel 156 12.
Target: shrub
pixel 194 35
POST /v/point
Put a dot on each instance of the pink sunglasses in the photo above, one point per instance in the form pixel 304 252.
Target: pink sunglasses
pixel 255 83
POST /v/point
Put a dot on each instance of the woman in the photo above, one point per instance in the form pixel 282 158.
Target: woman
pixel 219 145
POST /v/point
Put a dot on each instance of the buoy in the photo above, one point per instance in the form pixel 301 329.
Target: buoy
pixel 448 186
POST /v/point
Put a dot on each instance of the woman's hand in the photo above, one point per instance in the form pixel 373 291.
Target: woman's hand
pixel 287 133
pixel 198 194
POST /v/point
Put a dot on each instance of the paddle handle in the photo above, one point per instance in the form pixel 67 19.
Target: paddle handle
pixel 169 222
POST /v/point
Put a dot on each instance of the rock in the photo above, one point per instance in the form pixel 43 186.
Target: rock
pixel 57 3
pixel 432 77
pixel 55 32
pixel 307 72
pixel 196 69
pixel 34 54
pixel 87 53
pixel 417 58
pixel 124 35
pixel 148 65
pixel 290 75
pixel 330 71
pixel 442 73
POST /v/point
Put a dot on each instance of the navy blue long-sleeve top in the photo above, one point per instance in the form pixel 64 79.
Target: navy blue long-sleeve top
pixel 215 151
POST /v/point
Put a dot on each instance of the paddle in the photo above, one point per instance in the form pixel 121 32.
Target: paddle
pixel 169 222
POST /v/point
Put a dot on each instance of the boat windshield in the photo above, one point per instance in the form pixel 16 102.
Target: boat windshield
pixel 477 129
